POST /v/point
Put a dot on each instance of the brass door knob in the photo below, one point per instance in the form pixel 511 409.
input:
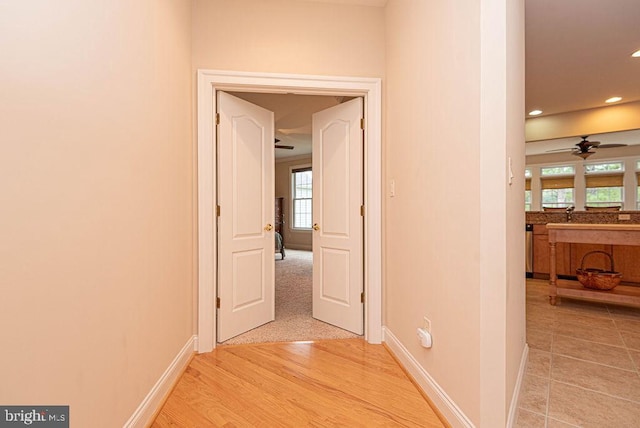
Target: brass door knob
pixel 268 227
pixel 315 226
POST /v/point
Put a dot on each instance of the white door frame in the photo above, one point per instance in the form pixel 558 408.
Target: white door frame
pixel 209 81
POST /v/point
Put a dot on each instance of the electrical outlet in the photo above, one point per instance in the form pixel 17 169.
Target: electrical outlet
pixel 426 324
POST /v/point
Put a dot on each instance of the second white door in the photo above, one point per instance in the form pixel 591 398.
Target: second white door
pixel 337 216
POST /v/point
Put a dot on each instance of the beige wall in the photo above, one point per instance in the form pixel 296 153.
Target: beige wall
pixel 295 239
pixel 432 228
pixel 446 228
pixel 622 117
pixel 96 218
pixel 287 36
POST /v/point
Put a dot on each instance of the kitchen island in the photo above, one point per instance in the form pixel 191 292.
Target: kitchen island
pixel 620 234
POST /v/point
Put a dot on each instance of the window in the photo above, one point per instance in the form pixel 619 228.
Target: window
pixel 527 189
pixel 604 167
pixel 604 184
pixel 557 184
pixel 558 170
pixel 301 191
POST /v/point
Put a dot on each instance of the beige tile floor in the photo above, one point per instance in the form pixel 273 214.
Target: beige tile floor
pixel 584 364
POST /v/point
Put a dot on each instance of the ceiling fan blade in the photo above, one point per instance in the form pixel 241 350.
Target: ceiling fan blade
pixel 612 145
pixel 277 146
pixel 567 149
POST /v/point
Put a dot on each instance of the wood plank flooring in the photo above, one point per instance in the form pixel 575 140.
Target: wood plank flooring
pixel 318 384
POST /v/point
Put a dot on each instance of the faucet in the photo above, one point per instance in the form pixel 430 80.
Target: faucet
pixel 569 211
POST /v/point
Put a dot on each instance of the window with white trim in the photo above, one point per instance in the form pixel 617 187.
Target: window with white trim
pixel 301 194
pixel 558 188
pixel 604 184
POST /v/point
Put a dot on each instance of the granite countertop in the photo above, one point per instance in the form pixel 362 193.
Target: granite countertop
pixel 592 226
pixel 617 217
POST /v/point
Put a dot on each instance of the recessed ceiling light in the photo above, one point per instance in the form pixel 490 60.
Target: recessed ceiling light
pixel 613 100
pixel 535 112
pixel 636 54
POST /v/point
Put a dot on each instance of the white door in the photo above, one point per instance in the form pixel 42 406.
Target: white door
pixel 245 224
pixel 338 223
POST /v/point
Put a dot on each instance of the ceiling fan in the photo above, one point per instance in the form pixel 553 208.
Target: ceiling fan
pixel 281 146
pixel 586 148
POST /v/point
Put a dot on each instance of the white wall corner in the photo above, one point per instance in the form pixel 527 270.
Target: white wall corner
pixel 447 407
pixel 515 399
pixel 155 398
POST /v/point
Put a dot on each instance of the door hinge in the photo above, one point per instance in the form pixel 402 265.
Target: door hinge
pixel 218 302
pixel 362 297
pixel 362 210
pixel 362 123
pixel 217 118
pixel 218 210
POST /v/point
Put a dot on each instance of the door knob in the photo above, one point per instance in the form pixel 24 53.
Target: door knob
pixel 268 227
pixel 315 226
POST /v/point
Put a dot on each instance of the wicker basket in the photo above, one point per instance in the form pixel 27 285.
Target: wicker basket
pixel 598 279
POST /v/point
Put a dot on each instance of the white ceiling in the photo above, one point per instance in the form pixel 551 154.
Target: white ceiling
pixel 578 53
pixel 292 116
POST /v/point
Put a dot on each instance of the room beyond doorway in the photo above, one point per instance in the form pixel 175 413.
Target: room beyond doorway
pixel 294 321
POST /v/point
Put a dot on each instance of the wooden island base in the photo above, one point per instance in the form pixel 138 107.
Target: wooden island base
pixel 621 295
pixel 621 234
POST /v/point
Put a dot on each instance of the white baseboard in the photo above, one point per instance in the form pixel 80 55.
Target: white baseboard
pixel 454 415
pixel 154 399
pixel 515 400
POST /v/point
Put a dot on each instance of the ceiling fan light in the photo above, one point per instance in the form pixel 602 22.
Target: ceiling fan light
pixel 583 155
pixel 613 100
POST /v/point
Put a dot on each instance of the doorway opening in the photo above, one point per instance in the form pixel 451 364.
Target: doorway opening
pixel 370 90
pixel 293 200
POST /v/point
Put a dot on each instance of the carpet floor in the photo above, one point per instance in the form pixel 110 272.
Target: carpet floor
pixel 294 279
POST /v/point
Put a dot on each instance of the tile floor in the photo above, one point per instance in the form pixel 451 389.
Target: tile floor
pixel 584 364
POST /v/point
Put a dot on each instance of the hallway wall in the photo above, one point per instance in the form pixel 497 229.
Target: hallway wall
pixel 285 36
pixel 96 219
pixel 452 254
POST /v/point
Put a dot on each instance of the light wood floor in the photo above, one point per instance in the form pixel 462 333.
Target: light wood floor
pixel 327 383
